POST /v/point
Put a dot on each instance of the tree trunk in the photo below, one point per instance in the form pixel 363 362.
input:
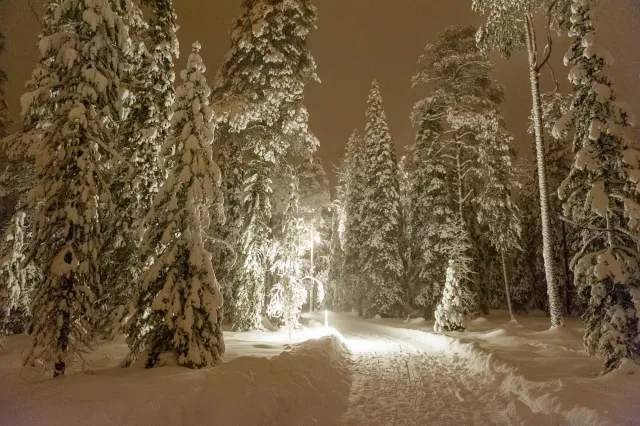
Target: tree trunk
pixel 65 329
pixel 555 305
pixel 567 271
pixel 460 196
pixel 505 276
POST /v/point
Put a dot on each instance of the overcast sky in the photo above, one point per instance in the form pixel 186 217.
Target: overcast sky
pixel 358 41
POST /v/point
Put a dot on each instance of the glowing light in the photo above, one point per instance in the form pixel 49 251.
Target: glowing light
pixel 326 318
pixel 380 346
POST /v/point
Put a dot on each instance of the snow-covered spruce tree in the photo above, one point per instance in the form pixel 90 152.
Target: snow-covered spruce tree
pixel 353 236
pixel 86 41
pixel 258 96
pixel 263 76
pixel 602 194
pixel 134 177
pixel 179 308
pixel 510 27
pixel 457 303
pixel 382 269
pixel 432 217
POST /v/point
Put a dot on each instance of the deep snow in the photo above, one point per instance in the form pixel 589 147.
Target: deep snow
pixel 355 372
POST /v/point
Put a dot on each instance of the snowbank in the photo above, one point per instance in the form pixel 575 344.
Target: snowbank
pixel 552 380
pixel 306 383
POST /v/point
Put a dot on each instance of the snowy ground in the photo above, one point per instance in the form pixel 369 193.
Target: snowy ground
pixel 356 372
pixel 536 375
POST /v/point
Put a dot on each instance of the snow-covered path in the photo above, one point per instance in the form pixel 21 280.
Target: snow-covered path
pixel 407 377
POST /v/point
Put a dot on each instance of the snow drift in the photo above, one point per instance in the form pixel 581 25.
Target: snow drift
pixel 308 383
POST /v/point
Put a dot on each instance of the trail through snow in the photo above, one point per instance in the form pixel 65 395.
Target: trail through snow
pixel 402 377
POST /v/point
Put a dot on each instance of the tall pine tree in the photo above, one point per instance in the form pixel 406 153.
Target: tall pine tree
pixel 383 269
pixel 602 195
pixel 510 26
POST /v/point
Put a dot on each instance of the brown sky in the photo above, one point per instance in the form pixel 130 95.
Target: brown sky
pixel 357 41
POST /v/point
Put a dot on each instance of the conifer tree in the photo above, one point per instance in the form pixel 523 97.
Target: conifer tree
pixel 258 96
pixel 602 195
pixel 81 53
pixel 510 27
pixel 19 177
pixel 179 309
pixel 462 110
pixel 432 218
pixel 458 299
pixel 382 218
pixel 528 268
pixel 353 237
pixel 134 178
pixel 497 210
pixel 162 44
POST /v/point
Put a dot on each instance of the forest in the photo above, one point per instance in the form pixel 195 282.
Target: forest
pixel 142 200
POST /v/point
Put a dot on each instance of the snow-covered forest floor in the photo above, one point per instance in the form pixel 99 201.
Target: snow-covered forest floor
pixel 354 372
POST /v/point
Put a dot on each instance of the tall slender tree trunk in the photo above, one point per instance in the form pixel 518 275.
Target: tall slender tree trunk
pixel 567 271
pixel 555 305
pixel 507 290
pixel 460 195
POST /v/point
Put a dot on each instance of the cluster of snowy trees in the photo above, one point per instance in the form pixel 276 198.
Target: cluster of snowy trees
pixel 411 233
pixel 130 205
pixel 258 96
pixel 150 208
pixel 459 226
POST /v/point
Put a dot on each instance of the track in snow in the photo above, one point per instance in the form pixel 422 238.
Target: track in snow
pixel 404 381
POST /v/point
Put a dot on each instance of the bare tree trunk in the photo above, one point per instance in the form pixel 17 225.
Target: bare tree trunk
pixel 567 271
pixel 555 305
pixel 460 196
pixel 505 276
